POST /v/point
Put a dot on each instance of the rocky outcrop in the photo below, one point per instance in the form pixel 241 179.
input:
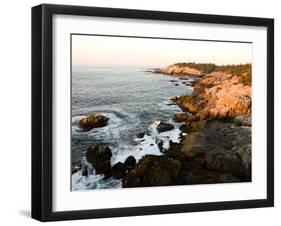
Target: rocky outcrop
pixel 120 170
pixel 177 69
pixel 218 95
pixel 93 121
pixel 140 135
pixel 163 127
pixel 217 120
pixel 153 171
pixel 99 156
pixel 130 162
pixel 219 147
pixel 218 152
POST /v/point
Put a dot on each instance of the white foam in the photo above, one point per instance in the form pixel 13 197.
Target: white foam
pixel 118 124
pixel 93 181
pixel 148 145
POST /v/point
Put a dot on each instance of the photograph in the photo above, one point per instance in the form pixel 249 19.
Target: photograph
pixel 152 111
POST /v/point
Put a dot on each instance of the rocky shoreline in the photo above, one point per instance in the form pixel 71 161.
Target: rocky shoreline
pixel 215 145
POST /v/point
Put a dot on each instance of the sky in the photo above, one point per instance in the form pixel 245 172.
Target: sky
pixel 89 50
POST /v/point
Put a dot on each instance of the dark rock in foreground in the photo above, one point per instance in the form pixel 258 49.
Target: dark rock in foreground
pixel 153 171
pixel 93 121
pixel 221 147
pixel 202 176
pixel 118 170
pixel 140 135
pixel 99 156
pixel 163 127
pixel 130 162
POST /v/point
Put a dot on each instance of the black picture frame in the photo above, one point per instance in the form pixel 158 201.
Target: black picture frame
pixel 42 111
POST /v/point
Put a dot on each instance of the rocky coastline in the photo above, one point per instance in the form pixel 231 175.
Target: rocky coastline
pixel 215 144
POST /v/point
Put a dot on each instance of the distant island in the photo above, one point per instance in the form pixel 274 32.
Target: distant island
pixel 215 137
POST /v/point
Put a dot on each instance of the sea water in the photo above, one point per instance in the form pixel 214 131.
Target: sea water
pixel 135 101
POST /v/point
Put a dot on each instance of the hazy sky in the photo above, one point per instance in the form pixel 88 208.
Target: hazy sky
pixel 102 50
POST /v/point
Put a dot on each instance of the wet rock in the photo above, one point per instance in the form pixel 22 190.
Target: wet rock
pixel 153 171
pixel 119 170
pixel 93 121
pixel 85 171
pixel 163 127
pixel 173 80
pixel 140 135
pixel 160 145
pixel 176 84
pixel 174 98
pixel 99 156
pixel 130 162
pixel 75 169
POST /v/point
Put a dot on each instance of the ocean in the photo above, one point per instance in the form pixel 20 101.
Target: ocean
pixel 135 101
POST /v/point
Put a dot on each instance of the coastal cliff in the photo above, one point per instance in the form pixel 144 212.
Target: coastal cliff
pixel 216 131
pixel 180 69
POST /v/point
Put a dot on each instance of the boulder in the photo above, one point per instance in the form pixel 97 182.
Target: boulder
pixel 163 127
pixel 99 156
pixel 85 171
pixel 119 170
pixel 130 162
pixel 160 145
pixel 153 170
pixel 140 135
pixel 93 121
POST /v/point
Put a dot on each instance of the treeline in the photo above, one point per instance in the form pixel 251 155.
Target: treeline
pixel 205 68
pixel 243 71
